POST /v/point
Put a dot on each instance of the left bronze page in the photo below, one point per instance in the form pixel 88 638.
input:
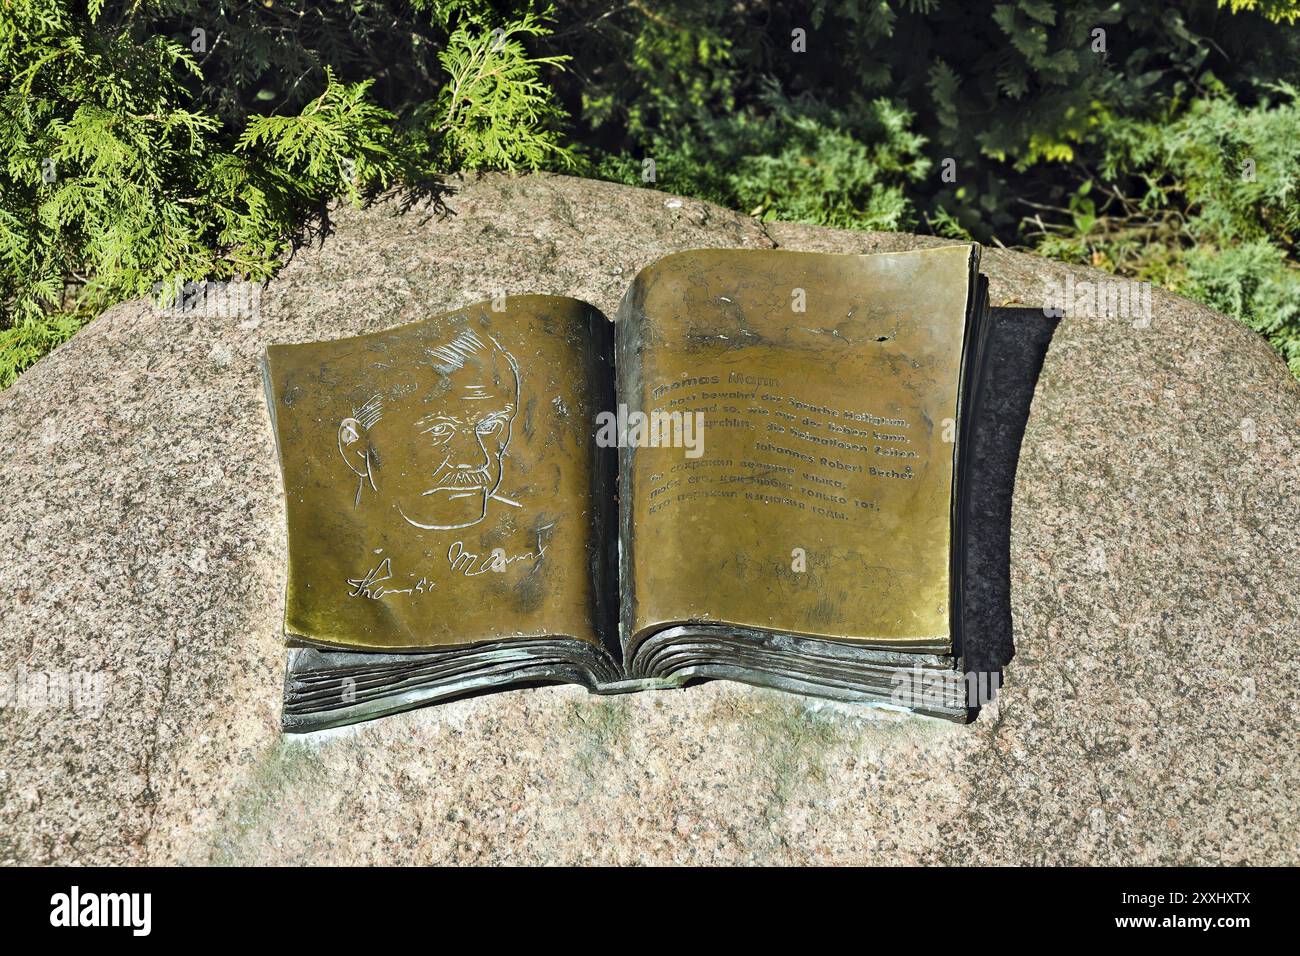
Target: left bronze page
pixel 442 485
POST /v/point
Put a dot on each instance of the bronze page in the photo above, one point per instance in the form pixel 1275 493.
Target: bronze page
pixel 441 483
pixel 820 501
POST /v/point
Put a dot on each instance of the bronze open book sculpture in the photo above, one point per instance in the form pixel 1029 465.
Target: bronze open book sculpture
pixel 754 474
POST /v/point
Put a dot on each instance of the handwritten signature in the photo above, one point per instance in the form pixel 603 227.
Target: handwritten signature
pixel 470 565
pixel 371 585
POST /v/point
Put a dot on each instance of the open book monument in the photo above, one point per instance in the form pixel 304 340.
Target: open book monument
pixel 1131 562
pixel 755 474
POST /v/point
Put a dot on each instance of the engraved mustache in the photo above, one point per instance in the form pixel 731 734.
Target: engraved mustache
pixel 454 479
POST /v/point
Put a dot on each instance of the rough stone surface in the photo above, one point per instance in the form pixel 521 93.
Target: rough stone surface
pixel 1148 716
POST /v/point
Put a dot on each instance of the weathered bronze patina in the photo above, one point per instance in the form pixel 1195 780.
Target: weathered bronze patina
pixel 821 501
pixel 755 477
pixel 441 484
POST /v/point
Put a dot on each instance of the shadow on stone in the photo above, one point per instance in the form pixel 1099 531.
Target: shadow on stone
pixel 1017 343
pixel 423 196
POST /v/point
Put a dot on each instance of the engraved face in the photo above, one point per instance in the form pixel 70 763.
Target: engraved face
pixel 434 447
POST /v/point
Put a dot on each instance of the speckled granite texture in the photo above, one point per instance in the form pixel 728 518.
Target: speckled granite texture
pixel 1148 716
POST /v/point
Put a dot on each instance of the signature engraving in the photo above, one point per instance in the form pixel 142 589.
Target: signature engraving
pixel 470 565
pixel 371 584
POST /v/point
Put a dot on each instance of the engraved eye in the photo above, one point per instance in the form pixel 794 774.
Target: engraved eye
pixel 439 431
pixel 490 426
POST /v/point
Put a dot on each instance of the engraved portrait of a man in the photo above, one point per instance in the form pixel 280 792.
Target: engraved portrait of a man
pixel 433 445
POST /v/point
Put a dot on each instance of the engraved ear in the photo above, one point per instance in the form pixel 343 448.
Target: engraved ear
pixel 351 450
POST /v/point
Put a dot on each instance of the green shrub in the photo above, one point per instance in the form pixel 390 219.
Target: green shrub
pixel 796 162
pixel 1205 200
pixel 1011 90
pixel 126 167
pixel 494 111
pixel 150 140
pixel 1122 149
pixel 1253 282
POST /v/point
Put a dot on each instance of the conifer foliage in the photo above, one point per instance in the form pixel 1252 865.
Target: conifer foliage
pixel 152 141
pixel 146 142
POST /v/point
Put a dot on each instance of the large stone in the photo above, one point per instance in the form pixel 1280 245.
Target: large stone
pixel 1147 717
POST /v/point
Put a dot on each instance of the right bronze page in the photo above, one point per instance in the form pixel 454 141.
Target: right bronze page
pixel 817 498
